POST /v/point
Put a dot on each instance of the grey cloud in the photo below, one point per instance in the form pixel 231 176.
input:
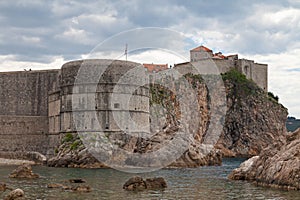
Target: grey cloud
pixel 50 20
pixel 25 14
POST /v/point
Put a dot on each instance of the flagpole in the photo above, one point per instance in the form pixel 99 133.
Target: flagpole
pixel 126 51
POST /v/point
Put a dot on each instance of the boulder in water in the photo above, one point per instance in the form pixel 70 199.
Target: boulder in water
pixel 55 185
pixel 137 183
pixel 77 180
pixel 75 187
pixel 2 187
pixel 23 171
pixel 16 194
pixel 81 188
pixel 277 166
pixel 155 183
pixel 241 173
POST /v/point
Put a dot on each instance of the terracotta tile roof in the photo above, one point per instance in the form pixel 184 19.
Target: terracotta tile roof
pixel 219 55
pixel 155 67
pixel 203 48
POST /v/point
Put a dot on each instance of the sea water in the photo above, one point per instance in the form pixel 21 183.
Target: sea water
pixel 198 183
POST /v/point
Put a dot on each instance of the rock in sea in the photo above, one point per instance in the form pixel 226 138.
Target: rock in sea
pixel 16 194
pixel 81 188
pixel 23 171
pixel 277 166
pixel 77 180
pixel 137 183
pixel 2 187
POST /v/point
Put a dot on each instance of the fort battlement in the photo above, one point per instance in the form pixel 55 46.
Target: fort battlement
pixel 36 106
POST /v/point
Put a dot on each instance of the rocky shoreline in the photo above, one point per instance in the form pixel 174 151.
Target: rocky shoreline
pixel 254 120
pixel 277 166
pixel 254 126
pixel 80 157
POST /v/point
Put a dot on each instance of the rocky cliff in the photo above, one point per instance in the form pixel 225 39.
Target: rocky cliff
pixel 254 120
pixel 165 124
pixel 277 166
pixel 72 153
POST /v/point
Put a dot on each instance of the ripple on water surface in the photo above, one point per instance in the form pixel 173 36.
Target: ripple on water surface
pixel 199 183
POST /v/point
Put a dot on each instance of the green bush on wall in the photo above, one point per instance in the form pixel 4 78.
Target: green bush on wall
pixel 241 85
pixel 68 137
pixel 272 96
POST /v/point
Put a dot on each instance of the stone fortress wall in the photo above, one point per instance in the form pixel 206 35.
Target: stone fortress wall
pixel 36 106
pixel 24 110
pixel 254 71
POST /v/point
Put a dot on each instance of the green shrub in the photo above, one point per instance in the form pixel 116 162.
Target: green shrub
pixel 272 96
pixel 56 151
pixel 68 137
pixel 235 76
pixel 75 145
pixel 241 85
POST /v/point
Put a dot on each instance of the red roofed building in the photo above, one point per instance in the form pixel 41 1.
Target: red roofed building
pixel 219 56
pixel 200 53
pixel 253 71
pixel 201 48
pixel 155 67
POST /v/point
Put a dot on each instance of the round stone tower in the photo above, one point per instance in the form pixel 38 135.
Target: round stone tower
pixel 104 96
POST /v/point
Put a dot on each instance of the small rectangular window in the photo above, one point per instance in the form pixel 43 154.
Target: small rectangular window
pixel 116 105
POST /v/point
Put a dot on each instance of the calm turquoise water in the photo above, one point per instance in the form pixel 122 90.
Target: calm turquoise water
pixel 200 183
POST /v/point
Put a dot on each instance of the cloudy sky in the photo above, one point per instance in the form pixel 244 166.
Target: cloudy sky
pixel 44 34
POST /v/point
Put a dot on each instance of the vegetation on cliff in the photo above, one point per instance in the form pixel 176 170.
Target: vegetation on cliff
pixel 72 153
pixel 253 121
pixel 241 86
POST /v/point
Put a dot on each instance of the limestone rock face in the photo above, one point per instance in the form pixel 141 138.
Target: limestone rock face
pixel 137 183
pixel 171 122
pixel 16 194
pixel 276 166
pixel 162 133
pixel 253 120
pixel 78 157
pixel 193 159
pixel 241 173
pixel 23 171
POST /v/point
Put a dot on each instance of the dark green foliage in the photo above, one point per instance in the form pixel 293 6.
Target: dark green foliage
pixel 273 97
pixel 68 138
pixel 194 79
pixel 235 76
pixel 241 85
pixel 75 145
pixel 55 151
pixel 157 94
